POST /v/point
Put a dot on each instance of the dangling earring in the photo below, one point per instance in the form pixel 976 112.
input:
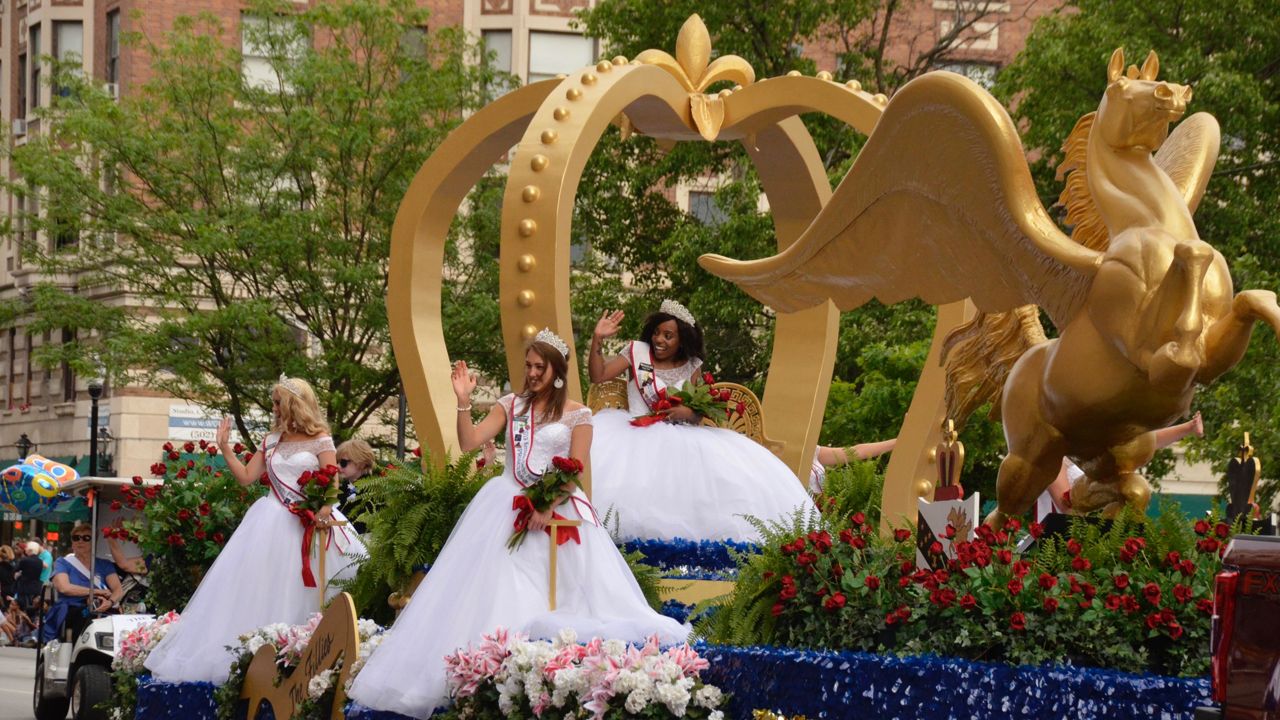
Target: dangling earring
pixel 558 383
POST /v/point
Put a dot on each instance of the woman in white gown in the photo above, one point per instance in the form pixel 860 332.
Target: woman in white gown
pixel 477 584
pixel 678 479
pixel 258 578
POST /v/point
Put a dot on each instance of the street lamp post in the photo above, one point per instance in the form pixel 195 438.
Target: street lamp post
pixel 95 394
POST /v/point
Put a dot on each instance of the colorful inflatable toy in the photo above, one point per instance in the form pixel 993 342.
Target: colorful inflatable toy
pixel 34 486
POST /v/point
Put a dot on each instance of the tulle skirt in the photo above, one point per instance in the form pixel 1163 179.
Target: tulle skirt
pixel 669 481
pixel 477 585
pixel 256 581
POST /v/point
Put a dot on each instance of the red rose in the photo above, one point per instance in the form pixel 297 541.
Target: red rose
pixel 837 570
pixel 950 532
pixel 1222 530
pixel 1153 621
pixel 872 582
pixel 859 543
pixel 822 541
pixel 1073 547
pixel 1018 621
pixel 904 582
pixel 1187 567
pixel 211 450
pixel 835 602
pixel 116 505
pixel 1080 564
pixel 1021 568
pixel 417 452
pixel 168 447
pixel 1051 605
pixel 237 448
pixel 904 613
pixel 777 609
pixel 480 463
pixel 1173 558
pixel 1129 603
pixel 191 464
pixel 1004 557
pixel 158 469
pixel 901 535
pixel 137 480
pixel 846 536
pixel 968 602
pixel 265 479
pixel 1202 527
pixel 1015 586
pixel 890 618
pixel 1151 592
pixel 788 580
pixel 1036 530
pixel 708 379
pixel 182 473
pixel 1089 590
pixel 219 537
pixel 1205 606
pixel 1047 581
pixel 1207 545
pixel 151 493
pixel 173 455
pixel 1086 604
pixel 204 508
pixel 184 514
pixel 1013 524
pixel 1175 630
pixel 788 592
pixel 176 539
pixel 935 548
pixel 1182 593
pixel 1121 581
pixel 858 518
pixel 200 534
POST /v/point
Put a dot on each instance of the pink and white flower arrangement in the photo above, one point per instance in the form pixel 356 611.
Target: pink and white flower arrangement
pixel 512 675
pixel 138 643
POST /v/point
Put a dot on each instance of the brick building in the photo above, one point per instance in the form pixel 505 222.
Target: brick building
pixel 533 39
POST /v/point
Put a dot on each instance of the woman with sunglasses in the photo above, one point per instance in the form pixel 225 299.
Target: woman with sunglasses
pixel 77 586
pixel 261 576
pixel 355 460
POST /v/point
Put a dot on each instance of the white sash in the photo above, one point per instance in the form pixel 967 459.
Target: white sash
pixel 520 429
pixel 643 374
pixel 95 580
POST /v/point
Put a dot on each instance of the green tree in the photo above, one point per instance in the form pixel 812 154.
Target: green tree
pixel 1230 55
pixel 228 219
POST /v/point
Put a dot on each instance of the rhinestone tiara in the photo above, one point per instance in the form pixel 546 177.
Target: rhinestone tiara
pixel 290 385
pixel 677 311
pixel 553 340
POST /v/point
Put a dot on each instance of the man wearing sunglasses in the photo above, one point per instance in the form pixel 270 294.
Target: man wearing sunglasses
pixel 80 593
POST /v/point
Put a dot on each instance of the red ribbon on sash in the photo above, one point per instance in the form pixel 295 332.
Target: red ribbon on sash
pixel 524 505
pixel 308 520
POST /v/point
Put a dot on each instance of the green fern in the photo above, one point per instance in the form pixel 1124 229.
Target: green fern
pixel 409 515
pixel 856 487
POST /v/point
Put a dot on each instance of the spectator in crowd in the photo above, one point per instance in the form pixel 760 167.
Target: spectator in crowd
pixel 28 586
pixel 46 561
pixel 8 570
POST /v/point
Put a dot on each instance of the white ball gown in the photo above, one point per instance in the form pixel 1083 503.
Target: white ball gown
pixel 257 578
pixel 670 481
pixel 477 585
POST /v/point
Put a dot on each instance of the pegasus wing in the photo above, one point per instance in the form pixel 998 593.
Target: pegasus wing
pixel 1189 154
pixel 939 205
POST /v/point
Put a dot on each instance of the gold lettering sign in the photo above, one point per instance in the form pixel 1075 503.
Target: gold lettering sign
pixel 335 639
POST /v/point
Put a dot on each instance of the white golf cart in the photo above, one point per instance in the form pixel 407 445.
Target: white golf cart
pixel 75 667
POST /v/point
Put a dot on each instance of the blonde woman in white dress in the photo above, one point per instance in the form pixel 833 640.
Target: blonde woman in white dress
pixel 258 578
pixel 477 584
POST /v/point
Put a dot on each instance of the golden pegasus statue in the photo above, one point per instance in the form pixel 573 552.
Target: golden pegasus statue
pixel 940 205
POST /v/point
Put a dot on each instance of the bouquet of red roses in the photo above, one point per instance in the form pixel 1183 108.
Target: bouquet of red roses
pixel 697 395
pixel 319 490
pixel 545 495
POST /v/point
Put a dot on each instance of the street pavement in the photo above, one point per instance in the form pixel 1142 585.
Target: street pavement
pixel 17 675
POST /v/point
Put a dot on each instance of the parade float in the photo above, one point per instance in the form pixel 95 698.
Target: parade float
pixel 860 614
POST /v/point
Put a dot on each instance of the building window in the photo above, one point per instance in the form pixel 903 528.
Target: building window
pixel 65 227
pixel 552 54
pixel 261 39
pixel 113 46
pixel 703 207
pixel 68 47
pixel 982 73
pixel 68 375
pixel 497 51
pixel 22 85
pixel 33 216
pixel 33 49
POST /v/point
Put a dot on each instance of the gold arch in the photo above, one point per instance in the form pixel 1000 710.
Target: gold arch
pixel 561 123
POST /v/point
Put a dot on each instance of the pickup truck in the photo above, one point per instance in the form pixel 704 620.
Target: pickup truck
pixel 1245 640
